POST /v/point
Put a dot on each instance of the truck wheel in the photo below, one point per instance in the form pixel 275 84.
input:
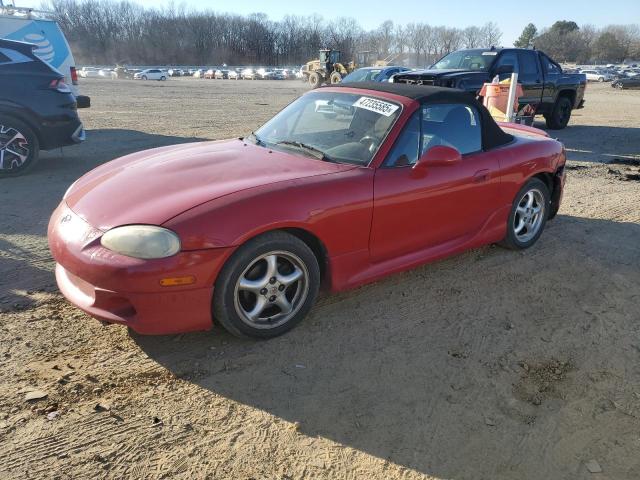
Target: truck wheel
pixel 335 78
pixel 315 80
pixel 601 79
pixel 19 147
pixel 560 115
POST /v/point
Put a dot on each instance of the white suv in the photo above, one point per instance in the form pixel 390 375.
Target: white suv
pixel 597 76
pixel 151 74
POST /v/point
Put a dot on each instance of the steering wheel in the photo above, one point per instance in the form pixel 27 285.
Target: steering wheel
pixel 373 143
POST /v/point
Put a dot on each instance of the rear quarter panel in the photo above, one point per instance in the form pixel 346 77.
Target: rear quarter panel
pixel 527 156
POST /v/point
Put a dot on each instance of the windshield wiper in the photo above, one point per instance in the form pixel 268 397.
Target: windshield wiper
pixel 316 152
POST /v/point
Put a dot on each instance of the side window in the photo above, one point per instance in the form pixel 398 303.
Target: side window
pixel 528 63
pixel 405 150
pixel 4 59
pixel 508 58
pixel 549 66
pixel 453 125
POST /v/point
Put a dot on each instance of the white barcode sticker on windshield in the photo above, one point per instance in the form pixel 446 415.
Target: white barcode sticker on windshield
pixel 375 105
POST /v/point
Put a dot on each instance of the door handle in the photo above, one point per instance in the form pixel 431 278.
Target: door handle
pixel 481 176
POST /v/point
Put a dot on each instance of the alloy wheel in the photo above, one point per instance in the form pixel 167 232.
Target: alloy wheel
pixel 271 290
pixel 14 148
pixel 529 215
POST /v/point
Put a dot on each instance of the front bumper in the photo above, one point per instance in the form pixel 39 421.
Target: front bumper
pixel 125 290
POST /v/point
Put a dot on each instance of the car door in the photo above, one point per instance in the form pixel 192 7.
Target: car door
pixel 530 77
pixel 448 205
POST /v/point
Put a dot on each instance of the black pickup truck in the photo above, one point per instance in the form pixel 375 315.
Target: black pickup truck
pixel 547 89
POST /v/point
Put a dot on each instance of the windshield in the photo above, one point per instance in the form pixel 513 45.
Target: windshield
pixel 467 60
pixel 362 75
pixel 338 127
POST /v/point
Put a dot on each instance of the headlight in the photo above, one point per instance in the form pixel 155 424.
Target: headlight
pixel 142 241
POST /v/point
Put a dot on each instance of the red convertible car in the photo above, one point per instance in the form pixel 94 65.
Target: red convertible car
pixel 344 186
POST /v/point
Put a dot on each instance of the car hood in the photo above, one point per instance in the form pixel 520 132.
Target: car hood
pixel 153 186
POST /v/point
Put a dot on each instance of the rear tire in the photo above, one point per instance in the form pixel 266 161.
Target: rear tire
pixel 528 216
pixel 560 115
pixel 267 286
pixel 20 154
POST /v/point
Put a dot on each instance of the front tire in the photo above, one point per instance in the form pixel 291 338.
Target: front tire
pixel 528 215
pixel 19 147
pixel 144 77
pixel 315 80
pixel 335 78
pixel 267 286
pixel 560 115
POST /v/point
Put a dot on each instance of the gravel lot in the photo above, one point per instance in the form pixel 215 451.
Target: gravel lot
pixel 490 365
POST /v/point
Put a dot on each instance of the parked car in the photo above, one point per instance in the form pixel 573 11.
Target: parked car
pixel 167 240
pixel 210 74
pixel 89 72
pixel 37 109
pixel 22 24
pixel 151 74
pixel 548 90
pixel 373 74
pixel 627 83
pixel 264 74
pixel 248 74
pixel 199 73
pixel 108 73
pixel 278 74
pixel 597 75
pixel 175 72
pixel 226 74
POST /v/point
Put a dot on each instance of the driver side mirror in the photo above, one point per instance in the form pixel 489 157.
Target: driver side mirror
pixel 438 156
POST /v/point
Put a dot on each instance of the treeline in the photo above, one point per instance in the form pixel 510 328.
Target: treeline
pixel 108 32
pixel 567 42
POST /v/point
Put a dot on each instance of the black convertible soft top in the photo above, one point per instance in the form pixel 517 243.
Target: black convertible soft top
pixel 492 135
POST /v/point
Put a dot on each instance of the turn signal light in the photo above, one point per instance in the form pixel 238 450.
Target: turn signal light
pixel 177 281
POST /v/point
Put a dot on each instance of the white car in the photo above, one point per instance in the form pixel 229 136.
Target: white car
pixel 597 76
pixel 108 73
pixel 151 74
pixel 248 74
pixel 89 72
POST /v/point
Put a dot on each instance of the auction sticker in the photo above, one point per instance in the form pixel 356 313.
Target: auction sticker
pixel 383 108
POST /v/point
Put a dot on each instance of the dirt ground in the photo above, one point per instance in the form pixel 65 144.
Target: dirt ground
pixel 490 365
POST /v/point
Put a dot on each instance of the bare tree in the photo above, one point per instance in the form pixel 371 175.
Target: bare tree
pixel 490 34
pixel 472 37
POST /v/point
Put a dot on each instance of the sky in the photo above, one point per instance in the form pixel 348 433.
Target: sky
pixel 510 16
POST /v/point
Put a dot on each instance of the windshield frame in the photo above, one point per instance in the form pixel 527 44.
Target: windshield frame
pixel 261 142
pixel 481 52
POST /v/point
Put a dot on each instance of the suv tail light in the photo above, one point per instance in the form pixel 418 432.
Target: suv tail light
pixel 74 75
pixel 59 85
